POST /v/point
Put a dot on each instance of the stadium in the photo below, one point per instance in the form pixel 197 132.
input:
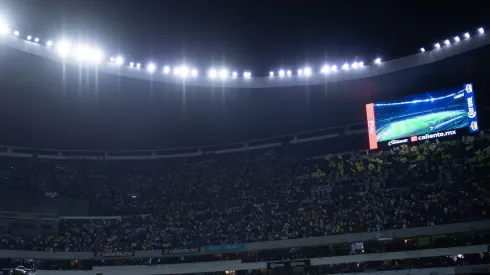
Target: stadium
pixel 126 167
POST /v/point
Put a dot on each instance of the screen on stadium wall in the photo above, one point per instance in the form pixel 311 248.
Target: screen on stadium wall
pixel 434 114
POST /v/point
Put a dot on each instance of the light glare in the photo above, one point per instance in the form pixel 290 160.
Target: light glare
pixel 166 69
pixel 119 60
pixel 307 71
pixel 447 42
pixel 4 29
pixel 29 37
pixel 138 65
pixel 334 68
pixel 271 73
pixel 194 73
pixel 247 74
pixel 212 73
pixel 377 60
pixel 289 73
pixel 437 45
pixel 467 35
pixel 481 31
pixel 360 64
pixel 63 48
pixel 235 74
pixel 422 50
pixel 325 69
pixel 223 73
pixel 16 33
pixel 36 39
pixel 456 39
pixel 131 64
pixel 281 73
pixel 345 66
pixel 151 67
pixel 49 43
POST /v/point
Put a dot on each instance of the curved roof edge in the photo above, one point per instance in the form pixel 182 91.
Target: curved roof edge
pixel 386 67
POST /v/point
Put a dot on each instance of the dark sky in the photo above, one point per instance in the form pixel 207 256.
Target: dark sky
pixel 258 35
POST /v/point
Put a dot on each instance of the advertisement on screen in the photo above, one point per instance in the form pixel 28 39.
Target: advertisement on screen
pixel 435 114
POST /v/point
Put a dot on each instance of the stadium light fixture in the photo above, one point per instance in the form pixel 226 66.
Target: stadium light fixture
pixel 354 65
pixel 151 67
pixel 16 33
pixel 131 64
pixel 422 50
pixel 300 72
pixel 63 48
pixel 334 68
pixel 36 40
pixel 345 66
pixel 119 60
pixel 457 39
pixel 271 73
pixel 481 30
pixel 96 55
pixel 281 73
pixel 360 64
pixel 307 71
pixel 184 71
pixel 247 75
pixel 223 73
pixel 447 42
pixel 166 69
pixel 194 72
pixel 235 74
pixel 213 73
pixel 49 43
pixel 377 61
pixel 289 73
pixel 325 69
pixel 29 37
pixel 4 28
pixel 112 59
pixel 176 71
pixel 138 65
pixel 467 35
pixel 437 45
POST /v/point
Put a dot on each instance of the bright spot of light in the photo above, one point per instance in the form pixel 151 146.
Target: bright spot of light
pixel 281 73
pixel 334 68
pixel 377 60
pixel 151 67
pixel 354 65
pixel 194 72
pixel 29 37
pixel 481 31
pixel 119 60
pixel 467 35
pixel 138 65
pixel 16 33
pixel 234 74
pixel 4 29
pixel 300 72
pixel 437 45
pixel 223 73
pixel 447 42
pixel 422 50
pixel 456 39
pixel 345 66
pixel 36 39
pixel 213 73
pixel 360 64
pixel 166 69
pixel 271 73
pixel 131 64
pixel 247 74
pixel 289 73
pixel 49 43
pixel 183 71
pixel 63 48
pixel 307 71
pixel 325 69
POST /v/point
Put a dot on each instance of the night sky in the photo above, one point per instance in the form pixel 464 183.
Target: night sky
pixel 248 35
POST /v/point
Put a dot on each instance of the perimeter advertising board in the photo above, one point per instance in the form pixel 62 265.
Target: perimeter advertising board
pixel 431 115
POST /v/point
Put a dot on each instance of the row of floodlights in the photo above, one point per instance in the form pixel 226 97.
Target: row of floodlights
pixel 455 39
pixel 85 53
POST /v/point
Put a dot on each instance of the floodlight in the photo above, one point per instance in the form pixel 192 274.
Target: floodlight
pixel 96 55
pixel 112 59
pixel 4 29
pixel 194 72
pixel 63 48
pixel 377 60
pixel 467 35
pixel 131 64
pixel 166 69
pixel 422 50
pixel 456 39
pixel 281 73
pixel 447 42
pixel 36 39
pixel 360 64
pixel 300 72
pixel 481 31
pixel 29 37
pixel 271 73
pixel 151 67
pixel 354 65
pixel 345 66
pixel 235 74
pixel 289 72
pixel 119 60
pixel 334 68
pixel 16 33
pixel 223 73
pixel 437 45
pixel 49 43
pixel 138 65
pixel 176 71
pixel 247 74
pixel 183 71
pixel 325 69
pixel 307 71
pixel 213 73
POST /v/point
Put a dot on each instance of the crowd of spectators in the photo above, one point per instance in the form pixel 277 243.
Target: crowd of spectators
pixel 256 196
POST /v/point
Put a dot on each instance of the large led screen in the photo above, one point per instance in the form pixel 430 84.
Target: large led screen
pixel 425 116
